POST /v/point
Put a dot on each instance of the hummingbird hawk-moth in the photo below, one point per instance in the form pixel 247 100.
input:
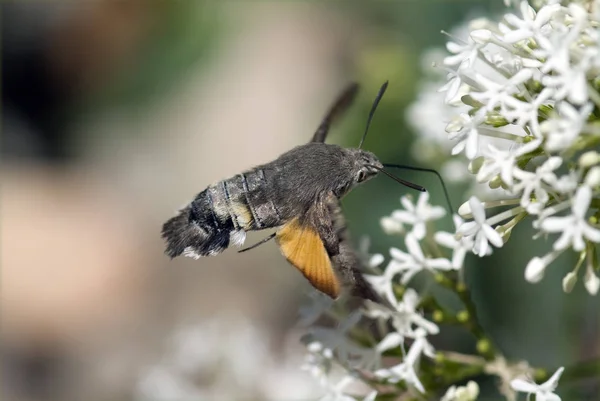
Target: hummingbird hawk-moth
pixel 299 193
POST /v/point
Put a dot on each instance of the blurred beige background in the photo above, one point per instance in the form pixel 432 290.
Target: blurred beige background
pixel 88 297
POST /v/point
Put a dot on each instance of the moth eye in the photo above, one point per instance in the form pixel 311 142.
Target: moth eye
pixel 361 176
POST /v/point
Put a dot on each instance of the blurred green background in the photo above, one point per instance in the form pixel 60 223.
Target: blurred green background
pixel 114 114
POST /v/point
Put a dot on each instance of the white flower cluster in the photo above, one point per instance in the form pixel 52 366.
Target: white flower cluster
pixel 330 346
pixel 524 98
pixel 341 362
pixel 401 315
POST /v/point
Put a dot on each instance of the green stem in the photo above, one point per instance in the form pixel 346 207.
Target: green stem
pixel 484 343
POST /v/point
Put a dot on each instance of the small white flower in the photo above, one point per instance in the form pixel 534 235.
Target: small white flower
pixel 465 129
pixel 498 162
pixel 530 25
pixel 574 228
pixel 544 391
pixel 570 83
pixel 405 318
pixel 411 263
pixel 537 184
pixel 406 370
pixel 480 229
pixel 526 112
pixel 453 86
pixel 563 128
pixel 418 214
pixel 504 162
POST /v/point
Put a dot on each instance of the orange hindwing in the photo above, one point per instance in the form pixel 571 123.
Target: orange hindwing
pixel 302 246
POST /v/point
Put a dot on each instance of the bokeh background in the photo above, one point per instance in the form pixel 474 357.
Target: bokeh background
pixel 116 113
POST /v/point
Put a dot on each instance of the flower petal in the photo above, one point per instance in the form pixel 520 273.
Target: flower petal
pixel 399 255
pixel 413 247
pixel 555 224
pixel 439 263
pixel 477 209
pixel 523 386
pixel 582 200
pixel 445 239
pixel 404 216
pixel 392 340
pixel 552 382
pixel 493 236
pixel 419 230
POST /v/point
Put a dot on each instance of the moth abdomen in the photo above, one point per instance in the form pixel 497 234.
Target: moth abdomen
pixel 201 228
pixel 221 215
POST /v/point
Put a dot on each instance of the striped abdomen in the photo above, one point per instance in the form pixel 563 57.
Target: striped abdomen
pixel 220 215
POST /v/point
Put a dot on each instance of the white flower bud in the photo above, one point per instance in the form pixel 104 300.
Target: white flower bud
pixel 391 226
pixel 591 281
pixel 589 159
pixel 534 272
pixel 592 178
pixel 376 260
pixel 569 281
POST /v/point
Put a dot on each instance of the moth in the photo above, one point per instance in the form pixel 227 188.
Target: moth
pixel 299 193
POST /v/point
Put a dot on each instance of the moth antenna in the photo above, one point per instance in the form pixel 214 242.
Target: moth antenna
pixel 372 112
pixel 401 181
pixel 427 170
pixel 339 107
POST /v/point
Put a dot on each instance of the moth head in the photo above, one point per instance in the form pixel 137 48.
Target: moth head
pixel 365 165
